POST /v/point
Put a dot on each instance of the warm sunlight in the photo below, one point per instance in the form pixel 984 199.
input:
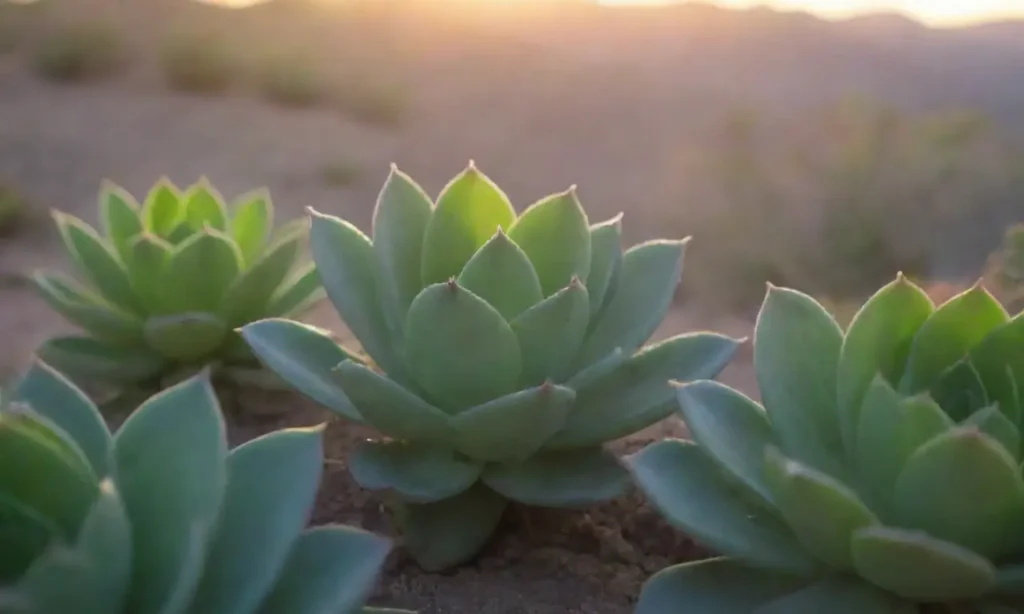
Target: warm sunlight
pixel 934 12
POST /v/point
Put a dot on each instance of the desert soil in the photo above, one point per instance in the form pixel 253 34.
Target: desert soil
pixel 58 142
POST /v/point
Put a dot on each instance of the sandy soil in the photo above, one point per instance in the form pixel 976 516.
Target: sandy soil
pixel 57 143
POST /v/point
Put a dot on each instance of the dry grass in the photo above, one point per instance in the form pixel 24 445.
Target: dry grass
pixel 82 51
pixel 198 62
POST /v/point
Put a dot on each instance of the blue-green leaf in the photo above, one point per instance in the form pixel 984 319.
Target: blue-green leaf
pixel 251 223
pixel 87 358
pixel 250 294
pixel 421 473
pixel 568 479
pixel 80 306
pixel 605 262
pixel 501 274
pixel 839 595
pixel 199 272
pixel 97 262
pixel 555 234
pixel 550 334
pixel 120 216
pixel 297 294
pixel 186 336
pixel 147 260
pixel 1000 365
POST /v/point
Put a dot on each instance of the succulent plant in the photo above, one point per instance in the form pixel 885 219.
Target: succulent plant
pixel 161 517
pixel 882 475
pixel 169 282
pixel 503 351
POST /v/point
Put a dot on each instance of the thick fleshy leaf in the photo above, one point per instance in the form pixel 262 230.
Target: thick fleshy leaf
pixel 400 220
pixel 251 223
pixel 121 217
pixel 1000 364
pixel 452 531
pixel 297 294
pixel 421 473
pixel 890 430
pixel 915 566
pixel 204 206
pixel 347 267
pixel 945 338
pixel 305 357
pixel 186 336
pixel 960 391
pixel 459 348
pixel 878 342
pixel 25 534
pixel 731 428
pixel 147 260
pixel 694 495
pixel 555 234
pixel 390 408
pixel 713 586
pixel 501 274
pixel 513 427
pixel 994 423
pixel 331 569
pixel 182 232
pixel 170 468
pixel 248 297
pixel 598 370
pixel 963 487
pixel 80 306
pixel 638 393
pixel 199 272
pixel 822 511
pixel 272 486
pixel 93 575
pixel 51 395
pixel 796 353
pixel 568 479
pixel 97 262
pixel 605 262
pixel 84 357
pixel 43 473
pixel 648 279
pixel 162 209
pixel 839 595
pixel 469 210
pixel 550 334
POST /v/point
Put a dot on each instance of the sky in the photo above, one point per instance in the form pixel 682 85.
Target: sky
pixel 933 12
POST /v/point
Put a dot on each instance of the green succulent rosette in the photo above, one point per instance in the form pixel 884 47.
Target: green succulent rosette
pixel 882 475
pixel 502 350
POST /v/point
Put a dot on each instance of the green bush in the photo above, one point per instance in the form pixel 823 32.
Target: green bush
pixel 200 63
pixel 80 52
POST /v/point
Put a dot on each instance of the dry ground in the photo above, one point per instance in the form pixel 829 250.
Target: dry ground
pixel 58 142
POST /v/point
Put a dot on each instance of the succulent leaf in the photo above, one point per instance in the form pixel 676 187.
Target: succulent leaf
pixel 1000 366
pixel 714 586
pixel 838 595
pixel 251 223
pixel 994 423
pixel 147 260
pixel 422 473
pixel 648 279
pixel 915 566
pixel 298 293
pixel 694 495
pixel 605 262
pixel 963 487
pixel 198 271
pixel 97 262
pixel 392 409
pixel 515 426
pixel 25 535
pixel 567 479
pixel 459 348
pixel 172 498
pixel 162 209
pixel 550 333
pixel 186 336
pixel 948 335
pixel 469 210
pixel 305 357
pixel 606 365
pixel 501 274
pixel 637 393
pixel 960 391
pixel 555 234
pixel 400 220
pixel 247 298
pixel 85 357
pixel 51 395
pixel 272 484
pixel 451 531
pixel 731 428
pixel 823 513
pixel 120 216
pixel 204 207
pixel 878 341
pixel 99 318
pixel 347 268
pixel 798 382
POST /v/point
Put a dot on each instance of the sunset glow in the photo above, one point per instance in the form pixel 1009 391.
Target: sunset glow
pixel 934 12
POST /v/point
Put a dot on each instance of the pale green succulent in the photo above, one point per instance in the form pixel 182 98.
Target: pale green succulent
pixel 161 517
pixel 168 283
pixel 881 476
pixel 506 350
